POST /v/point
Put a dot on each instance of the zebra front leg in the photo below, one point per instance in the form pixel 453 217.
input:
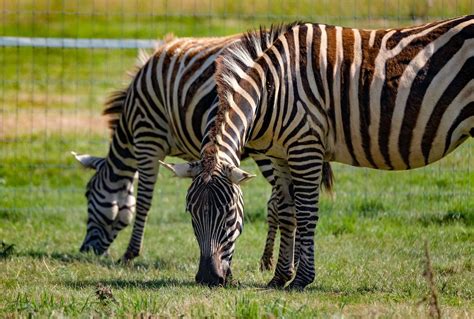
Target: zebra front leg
pixel 266 262
pixel 287 224
pixel 306 176
pixel 147 162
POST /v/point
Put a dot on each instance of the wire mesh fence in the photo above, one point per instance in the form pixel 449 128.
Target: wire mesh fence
pixel 60 59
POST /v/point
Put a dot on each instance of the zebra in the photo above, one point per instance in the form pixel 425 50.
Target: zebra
pixel 391 99
pixel 163 111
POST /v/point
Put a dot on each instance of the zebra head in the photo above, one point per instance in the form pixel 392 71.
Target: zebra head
pixel 216 205
pixel 110 205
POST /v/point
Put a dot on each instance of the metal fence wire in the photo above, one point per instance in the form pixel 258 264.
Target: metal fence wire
pixel 59 59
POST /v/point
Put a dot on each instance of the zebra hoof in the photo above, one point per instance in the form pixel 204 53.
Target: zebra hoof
pixel 296 286
pixel 128 257
pixel 124 261
pixel 276 283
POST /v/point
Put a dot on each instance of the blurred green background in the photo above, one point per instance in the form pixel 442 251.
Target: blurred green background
pixel 151 19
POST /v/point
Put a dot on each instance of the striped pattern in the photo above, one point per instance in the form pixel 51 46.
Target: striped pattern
pixel 386 99
pixel 215 232
pixel 162 112
pixel 165 110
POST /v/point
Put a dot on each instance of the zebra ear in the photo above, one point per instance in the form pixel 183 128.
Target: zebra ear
pixel 89 161
pixel 183 170
pixel 238 176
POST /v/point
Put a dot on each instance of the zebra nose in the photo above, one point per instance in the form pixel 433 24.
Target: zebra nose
pixel 210 272
pixel 94 246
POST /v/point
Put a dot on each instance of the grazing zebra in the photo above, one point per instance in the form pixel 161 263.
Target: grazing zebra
pixel 164 111
pixel 391 99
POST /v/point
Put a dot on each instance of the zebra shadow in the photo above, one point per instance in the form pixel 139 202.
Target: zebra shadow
pixel 154 284
pixel 90 258
pixel 363 289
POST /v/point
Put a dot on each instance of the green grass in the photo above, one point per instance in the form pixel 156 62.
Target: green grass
pixel 369 243
pixel 141 18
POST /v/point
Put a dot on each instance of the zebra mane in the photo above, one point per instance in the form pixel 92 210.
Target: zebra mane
pixel 251 46
pixel 115 102
pixel 240 56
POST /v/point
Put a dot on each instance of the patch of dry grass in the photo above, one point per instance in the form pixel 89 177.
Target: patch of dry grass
pixel 43 121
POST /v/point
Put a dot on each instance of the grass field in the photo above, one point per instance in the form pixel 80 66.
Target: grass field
pixel 370 239
pixel 149 19
pixel 369 244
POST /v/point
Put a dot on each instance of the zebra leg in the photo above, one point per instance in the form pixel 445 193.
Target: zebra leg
pixel 306 171
pixel 287 223
pixel 266 167
pixel 147 155
pixel 266 262
pixel 297 248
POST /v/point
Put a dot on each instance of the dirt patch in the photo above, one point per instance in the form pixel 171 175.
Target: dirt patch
pixel 39 99
pixel 28 122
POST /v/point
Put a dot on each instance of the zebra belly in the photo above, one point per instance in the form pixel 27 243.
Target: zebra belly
pixel 421 146
pixel 404 135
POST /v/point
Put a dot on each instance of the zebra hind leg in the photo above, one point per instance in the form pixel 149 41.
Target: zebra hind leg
pixel 297 248
pixel 266 168
pixel 266 262
pixel 287 224
pixel 306 196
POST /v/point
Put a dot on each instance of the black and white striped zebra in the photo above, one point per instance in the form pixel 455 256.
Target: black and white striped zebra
pixel 391 99
pixel 164 111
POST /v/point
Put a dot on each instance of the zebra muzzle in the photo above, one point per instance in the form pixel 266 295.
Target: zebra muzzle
pixel 211 271
pixel 94 246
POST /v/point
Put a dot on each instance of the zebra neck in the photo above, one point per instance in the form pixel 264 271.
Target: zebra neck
pixel 212 157
pixel 233 134
pixel 114 177
pixel 239 105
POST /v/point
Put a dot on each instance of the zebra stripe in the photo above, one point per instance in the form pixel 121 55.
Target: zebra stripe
pixel 148 123
pixel 164 111
pixel 391 99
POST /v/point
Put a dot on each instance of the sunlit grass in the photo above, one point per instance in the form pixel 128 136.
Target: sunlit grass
pixel 369 243
pixel 149 19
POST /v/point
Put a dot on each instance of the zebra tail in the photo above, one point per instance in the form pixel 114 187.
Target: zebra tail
pixel 328 178
pixel 113 108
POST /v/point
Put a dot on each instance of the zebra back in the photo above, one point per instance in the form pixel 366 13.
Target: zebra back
pixel 115 102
